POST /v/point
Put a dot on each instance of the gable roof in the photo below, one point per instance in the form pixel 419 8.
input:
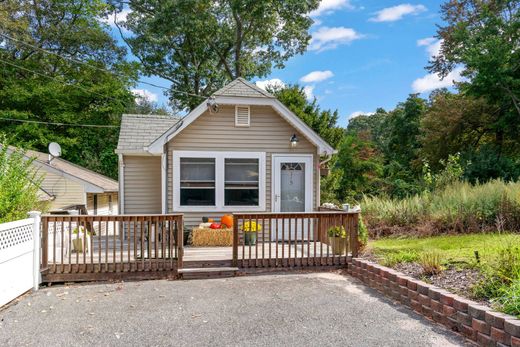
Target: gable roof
pixel 93 181
pixel 138 130
pixel 241 87
pixel 242 92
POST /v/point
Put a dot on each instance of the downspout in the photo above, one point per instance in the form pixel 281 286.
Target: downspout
pixel 121 199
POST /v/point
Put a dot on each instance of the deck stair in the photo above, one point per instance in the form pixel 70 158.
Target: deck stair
pixel 201 269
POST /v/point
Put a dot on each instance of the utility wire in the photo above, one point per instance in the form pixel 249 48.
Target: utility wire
pixel 59 124
pixel 58 80
pixel 96 67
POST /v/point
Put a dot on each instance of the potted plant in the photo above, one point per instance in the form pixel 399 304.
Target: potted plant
pixel 338 239
pixel 250 229
pixel 77 241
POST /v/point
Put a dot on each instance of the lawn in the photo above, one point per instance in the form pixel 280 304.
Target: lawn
pixel 453 249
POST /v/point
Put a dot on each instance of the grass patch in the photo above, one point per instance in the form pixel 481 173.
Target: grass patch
pixel 496 256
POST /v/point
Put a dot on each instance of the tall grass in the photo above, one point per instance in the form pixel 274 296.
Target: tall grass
pixel 460 207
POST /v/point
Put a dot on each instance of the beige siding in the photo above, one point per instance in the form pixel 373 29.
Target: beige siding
pixel 66 191
pixel 142 184
pixel 268 133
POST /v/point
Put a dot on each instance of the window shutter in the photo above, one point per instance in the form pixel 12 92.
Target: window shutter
pixel 242 116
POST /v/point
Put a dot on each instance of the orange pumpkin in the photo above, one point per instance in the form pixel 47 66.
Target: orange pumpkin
pixel 227 220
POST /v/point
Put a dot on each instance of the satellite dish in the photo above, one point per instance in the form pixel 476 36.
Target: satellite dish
pixel 54 149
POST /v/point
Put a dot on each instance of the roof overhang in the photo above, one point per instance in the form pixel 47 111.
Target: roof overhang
pixel 157 146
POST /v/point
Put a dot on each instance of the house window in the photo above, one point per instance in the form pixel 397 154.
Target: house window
pixel 242 116
pixel 241 182
pixel 110 204
pixel 197 185
pixel 218 181
pixel 95 204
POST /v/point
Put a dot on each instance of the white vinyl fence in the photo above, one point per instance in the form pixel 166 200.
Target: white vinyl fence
pixel 19 257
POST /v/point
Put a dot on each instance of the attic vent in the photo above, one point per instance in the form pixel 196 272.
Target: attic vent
pixel 242 116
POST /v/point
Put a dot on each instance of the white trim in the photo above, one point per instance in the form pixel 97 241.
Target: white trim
pixel 244 125
pixel 156 147
pixel 308 159
pixel 121 197
pixel 219 181
pixel 164 182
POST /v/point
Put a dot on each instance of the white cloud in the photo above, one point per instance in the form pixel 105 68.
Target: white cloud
pixel 359 113
pixel 433 81
pixel 275 82
pixel 329 38
pixel 317 76
pixel 433 46
pixel 329 6
pixel 119 17
pixel 308 90
pixel 142 95
pixel 394 13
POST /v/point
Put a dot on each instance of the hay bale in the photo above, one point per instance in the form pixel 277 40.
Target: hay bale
pixel 206 237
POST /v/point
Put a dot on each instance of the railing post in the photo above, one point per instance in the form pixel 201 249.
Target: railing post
pixel 235 241
pixel 180 241
pixel 354 235
pixel 36 216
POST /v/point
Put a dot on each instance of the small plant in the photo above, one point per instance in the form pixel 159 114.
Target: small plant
pixel 337 231
pixel 509 299
pixel 251 227
pixel 362 233
pixel 392 259
pixel 431 263
pixel 81 229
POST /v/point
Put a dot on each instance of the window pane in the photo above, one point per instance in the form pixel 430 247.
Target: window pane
pixel 197 181
pixel 241 182
pixel 242 170
pixel 197 197
pixel 241 197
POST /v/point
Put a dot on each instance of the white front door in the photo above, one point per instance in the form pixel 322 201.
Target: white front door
pixel 292 186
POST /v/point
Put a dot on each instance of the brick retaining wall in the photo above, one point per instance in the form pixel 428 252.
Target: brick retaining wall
pixel 476 322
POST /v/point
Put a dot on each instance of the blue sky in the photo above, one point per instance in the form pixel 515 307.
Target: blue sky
pixel 364 54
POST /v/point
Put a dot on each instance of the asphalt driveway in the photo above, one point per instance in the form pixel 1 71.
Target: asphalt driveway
pixel 325 309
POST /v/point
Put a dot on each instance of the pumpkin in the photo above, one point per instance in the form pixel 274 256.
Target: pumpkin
pixel 227 220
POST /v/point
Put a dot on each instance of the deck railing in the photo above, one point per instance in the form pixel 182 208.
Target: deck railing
pixel 294 239
pixel 105 247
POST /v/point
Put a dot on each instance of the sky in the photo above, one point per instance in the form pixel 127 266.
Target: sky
pixel 363 54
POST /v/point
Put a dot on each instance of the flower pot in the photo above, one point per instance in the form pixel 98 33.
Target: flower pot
pixel 250 238
pixel 338 245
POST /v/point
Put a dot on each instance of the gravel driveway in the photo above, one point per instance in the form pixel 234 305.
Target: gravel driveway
pixel 326 309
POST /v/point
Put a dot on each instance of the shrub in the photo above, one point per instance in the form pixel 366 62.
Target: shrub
pixel 19 184
pixel 509 299
pixel 430 262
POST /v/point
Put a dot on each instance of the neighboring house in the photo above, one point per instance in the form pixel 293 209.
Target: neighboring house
pixel 252 154
pixel 71 187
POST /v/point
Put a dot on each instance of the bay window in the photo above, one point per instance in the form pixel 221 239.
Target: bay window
pixel 218 181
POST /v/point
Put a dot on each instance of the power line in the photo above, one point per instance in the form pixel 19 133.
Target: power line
pixel 58 80
pixel 96 67
pixel 59 124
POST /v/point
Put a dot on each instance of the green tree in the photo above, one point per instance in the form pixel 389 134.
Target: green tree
pixel 199 45
pixel 19 184
pixel 42 86
pixel 483 38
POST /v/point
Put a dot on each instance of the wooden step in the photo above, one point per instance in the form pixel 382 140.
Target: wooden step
pixel 190 264
pixel 208 272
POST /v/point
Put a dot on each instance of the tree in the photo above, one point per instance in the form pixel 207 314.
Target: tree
pixel 66 83
pixel 199 45
pixel 19 184
pixel 323 122
pixel 483 39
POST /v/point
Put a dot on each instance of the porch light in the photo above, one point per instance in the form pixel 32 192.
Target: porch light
pixel 294 140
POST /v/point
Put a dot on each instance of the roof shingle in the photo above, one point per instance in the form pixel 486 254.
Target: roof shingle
pixel 139 130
